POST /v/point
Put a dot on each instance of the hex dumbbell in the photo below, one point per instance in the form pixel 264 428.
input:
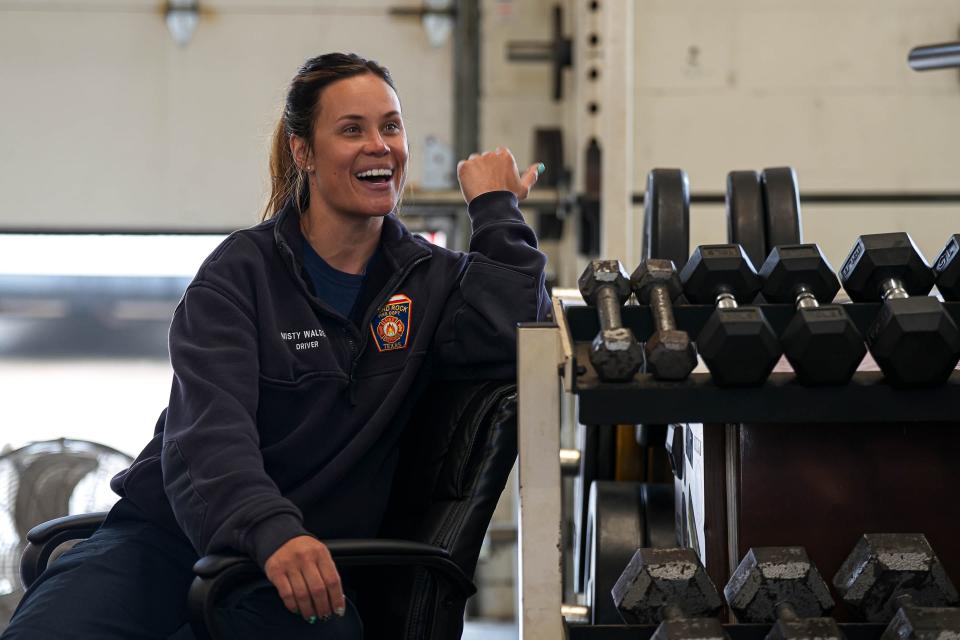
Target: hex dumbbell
pixel 897 578
pixel 821 342
pixel 781 585
pixel 736 343
pixel 947 269
pixel 669 586
pixel 615 353
pixel 913 339
pixel 669 351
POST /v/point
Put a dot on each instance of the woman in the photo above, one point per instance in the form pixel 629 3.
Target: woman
pixel 297 351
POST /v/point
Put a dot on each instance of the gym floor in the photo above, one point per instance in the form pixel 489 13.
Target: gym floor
pixel 490 631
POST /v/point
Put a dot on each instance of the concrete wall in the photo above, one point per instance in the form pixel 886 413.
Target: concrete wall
pixel 821 86
pixel 105 121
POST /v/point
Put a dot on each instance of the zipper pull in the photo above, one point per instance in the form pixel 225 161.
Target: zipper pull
pixel 352 389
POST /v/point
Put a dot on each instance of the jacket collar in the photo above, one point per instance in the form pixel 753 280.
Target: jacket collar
pixel 398 245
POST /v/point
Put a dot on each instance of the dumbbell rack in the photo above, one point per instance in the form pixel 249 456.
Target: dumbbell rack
pixel 555 353
pixel 865 399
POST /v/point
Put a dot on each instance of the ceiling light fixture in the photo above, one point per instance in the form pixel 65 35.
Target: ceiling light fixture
pixel 182 17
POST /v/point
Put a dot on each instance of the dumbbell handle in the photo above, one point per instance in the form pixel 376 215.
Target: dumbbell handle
pixel 892 289
pixel 662 308
pixel 786 612
pixel 904 600
pixel 671 612
pixel 726 300
pixel 805 298
pixel 608 308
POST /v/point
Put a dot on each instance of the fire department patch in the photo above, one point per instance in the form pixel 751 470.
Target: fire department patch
pixel 391 324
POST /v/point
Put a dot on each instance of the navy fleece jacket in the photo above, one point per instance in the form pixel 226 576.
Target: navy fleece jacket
pixel 284 416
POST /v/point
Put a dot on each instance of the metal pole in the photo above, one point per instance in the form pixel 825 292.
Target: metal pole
pixel 538 384
pixel 466 79
pixel 618 236
pixel 935 56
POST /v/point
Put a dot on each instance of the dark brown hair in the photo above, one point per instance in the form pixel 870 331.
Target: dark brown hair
pixel 299 112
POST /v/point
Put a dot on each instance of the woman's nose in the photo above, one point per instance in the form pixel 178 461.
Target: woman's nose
pixel 377 146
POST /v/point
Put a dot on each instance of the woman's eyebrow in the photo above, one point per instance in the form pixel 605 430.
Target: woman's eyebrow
pixel 354 116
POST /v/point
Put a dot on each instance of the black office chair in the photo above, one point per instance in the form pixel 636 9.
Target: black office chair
pixel 413 581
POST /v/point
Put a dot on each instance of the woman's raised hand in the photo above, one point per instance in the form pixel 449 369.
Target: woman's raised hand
pixel 303 572
pixel 495 171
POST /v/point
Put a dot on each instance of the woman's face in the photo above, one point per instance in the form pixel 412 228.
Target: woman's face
pixel 359 147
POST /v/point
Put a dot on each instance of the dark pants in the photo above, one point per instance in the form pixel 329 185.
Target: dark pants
pixel 130 580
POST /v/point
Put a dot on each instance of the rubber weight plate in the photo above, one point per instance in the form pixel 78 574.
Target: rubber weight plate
pixel 746 223
pixel 658 511
pixel 615 530
pixel 666 216
pixel 666 235
pixel 597 446
pixel 781 199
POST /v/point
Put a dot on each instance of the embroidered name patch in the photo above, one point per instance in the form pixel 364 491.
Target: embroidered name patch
pixel 303 339
pixel 391 324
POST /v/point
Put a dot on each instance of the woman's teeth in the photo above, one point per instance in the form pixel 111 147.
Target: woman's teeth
pixel 372 174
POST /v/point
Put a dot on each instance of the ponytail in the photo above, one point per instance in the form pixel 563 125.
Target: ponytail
pixel 286 178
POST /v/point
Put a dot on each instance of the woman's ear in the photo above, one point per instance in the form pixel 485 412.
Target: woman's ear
pixel 300 151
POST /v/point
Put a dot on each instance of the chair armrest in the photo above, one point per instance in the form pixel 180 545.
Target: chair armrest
pixel 218 574
pixel 44 538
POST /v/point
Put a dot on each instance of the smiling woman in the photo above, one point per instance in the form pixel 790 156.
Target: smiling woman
pixel 295 350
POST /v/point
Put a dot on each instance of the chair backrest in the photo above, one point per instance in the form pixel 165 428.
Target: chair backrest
pixel 456 455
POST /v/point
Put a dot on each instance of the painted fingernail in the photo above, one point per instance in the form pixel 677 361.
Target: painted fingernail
pixel 312 619
pixel 340 611
pixel 541 168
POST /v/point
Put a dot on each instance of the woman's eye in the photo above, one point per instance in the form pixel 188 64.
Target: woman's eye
pixel 352 129
pixel 392 126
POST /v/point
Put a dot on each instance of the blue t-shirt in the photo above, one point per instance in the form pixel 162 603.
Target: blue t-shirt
pixel 336 288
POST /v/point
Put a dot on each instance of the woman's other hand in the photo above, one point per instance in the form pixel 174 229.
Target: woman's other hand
pixel 304 574
pixel 495 171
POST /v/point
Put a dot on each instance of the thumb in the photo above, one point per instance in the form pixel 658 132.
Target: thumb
pixel 530 177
